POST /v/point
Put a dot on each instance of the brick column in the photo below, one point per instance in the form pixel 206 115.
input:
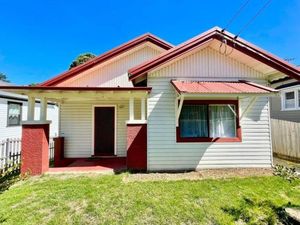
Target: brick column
pixel 35 149
pixel 137 146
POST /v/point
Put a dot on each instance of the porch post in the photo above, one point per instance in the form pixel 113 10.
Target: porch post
pixel 143 111
pixel 35 140
pixel 131 109
pixel 43 109
pixel 35 148
pixel 31 108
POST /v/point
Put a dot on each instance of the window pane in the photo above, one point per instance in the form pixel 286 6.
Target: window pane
pixel 193 121
pixel 14 114
pixel 289 100
pixel 222 122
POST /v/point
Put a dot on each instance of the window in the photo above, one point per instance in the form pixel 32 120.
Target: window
pixel 14 113
pixel 290 99
pixel 208 121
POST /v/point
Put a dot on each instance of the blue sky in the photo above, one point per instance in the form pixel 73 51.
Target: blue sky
pixel 39 39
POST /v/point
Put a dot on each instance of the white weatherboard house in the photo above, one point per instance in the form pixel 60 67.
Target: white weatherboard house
pixel 13 109
pixel 201 104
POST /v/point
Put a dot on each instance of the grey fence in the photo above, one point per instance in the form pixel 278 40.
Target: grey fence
pixel 286 139
pixel 10 154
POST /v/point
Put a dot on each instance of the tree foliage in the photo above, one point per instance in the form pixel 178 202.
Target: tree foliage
pixel 82 58
pixel 3 77
pixel 33 84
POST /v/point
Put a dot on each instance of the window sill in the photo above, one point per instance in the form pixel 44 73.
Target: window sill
pixel 179 139
pixel 14 125
pixel 207 140
pixel 291 109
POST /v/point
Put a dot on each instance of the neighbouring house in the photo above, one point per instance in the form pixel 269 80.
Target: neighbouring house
pixel 285 115
pixel 286 106
pixel 201 104
pixel 13 109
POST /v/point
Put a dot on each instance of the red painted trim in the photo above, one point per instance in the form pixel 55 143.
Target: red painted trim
pixel 238 137
pixel 216 33
pixel 76 88
pixel 108 55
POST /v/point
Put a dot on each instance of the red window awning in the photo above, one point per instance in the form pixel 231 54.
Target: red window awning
pixel 220 87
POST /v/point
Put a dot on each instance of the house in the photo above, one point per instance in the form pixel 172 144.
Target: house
pixel 286 106
pixel 201 104
pixel 285 118
pixel 13 109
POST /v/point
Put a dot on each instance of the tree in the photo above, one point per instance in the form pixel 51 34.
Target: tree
pixel 3 77
pixel 82 58
pixel 33 84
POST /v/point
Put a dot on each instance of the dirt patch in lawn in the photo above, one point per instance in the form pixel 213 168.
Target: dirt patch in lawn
pixel 199 175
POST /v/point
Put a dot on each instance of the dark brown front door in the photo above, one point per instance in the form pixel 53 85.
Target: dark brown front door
pixel 104 131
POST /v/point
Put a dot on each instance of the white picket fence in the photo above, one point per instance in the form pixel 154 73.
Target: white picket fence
pixel 10 154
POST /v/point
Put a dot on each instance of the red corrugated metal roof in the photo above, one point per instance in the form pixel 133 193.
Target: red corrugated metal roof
pixel 220 87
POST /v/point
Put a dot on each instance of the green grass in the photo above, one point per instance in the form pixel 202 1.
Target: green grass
pixel 107 199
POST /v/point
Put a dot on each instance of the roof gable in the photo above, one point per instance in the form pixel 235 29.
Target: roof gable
pixel 107 56
pixel 203 39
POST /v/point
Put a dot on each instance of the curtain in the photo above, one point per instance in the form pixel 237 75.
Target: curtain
pixel 222 121
pixel 14 114
pixel 193 121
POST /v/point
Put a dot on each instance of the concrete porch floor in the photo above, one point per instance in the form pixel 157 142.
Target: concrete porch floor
pixel 117 164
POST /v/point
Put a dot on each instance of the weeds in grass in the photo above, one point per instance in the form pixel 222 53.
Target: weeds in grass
pixel 253 211
pixel 9 177
pixel 285 172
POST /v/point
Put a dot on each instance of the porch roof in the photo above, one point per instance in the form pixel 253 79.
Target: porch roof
pixel 27 89
pixel 220 87
pixel 57 94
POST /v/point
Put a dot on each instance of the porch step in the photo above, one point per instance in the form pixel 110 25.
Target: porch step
pixel 103 157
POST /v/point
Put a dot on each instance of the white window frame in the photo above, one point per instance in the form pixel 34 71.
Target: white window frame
pixel 294 89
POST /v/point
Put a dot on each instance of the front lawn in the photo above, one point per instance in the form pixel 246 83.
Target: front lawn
pixel 108 199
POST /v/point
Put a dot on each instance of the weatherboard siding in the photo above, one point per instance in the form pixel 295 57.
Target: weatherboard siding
pixel 114 72
pixel 16 131
pixel 207 63
pixel 165 154
pixel 76 125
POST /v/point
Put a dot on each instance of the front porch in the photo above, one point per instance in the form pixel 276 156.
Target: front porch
pixel 99 129
pixel 115 165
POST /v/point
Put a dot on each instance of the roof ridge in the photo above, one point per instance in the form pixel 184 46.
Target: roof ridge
pixel 217 34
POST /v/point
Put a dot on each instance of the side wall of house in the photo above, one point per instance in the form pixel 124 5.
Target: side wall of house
pixel 76 125
pixel 164 153
pixel 277 112
pixel 114 72
pixel 16 131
